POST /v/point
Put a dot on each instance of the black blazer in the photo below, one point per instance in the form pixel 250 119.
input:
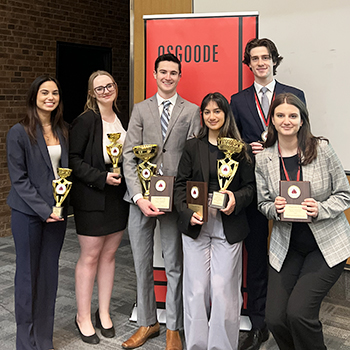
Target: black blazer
pixel 245 112
pixel 86 160
pixel 31 172
pixel 194 166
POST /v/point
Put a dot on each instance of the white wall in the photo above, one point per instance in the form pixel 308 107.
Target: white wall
pixel 314 39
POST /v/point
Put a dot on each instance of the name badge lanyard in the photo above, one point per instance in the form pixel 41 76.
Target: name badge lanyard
pixel 284 167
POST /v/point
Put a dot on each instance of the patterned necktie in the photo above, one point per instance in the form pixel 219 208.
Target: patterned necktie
pixel 164 118
pixel 265 101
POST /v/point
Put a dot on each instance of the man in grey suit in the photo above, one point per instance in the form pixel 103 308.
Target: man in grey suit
pixel 148 126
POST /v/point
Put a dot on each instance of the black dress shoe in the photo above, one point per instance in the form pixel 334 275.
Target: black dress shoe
pixel 90 339
pixel 254 339
pixel 106 332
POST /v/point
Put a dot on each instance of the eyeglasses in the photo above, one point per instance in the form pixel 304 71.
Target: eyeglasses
pixel 264 58
pixel 100 90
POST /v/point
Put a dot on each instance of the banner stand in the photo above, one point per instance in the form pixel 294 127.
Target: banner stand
pixel 211 61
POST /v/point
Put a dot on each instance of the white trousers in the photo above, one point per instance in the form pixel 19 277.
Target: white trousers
pixel 212 288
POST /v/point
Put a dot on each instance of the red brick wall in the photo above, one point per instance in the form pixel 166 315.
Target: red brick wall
pixel 29 30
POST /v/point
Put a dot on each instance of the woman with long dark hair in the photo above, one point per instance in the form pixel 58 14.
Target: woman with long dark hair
pixel 306 259
pixel 213 250
pixel 100 212
pixel 36 147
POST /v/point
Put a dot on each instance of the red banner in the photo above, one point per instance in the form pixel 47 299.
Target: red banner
pixel 210 50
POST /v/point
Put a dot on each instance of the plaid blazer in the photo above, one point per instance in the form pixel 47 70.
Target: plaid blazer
pixel 329 187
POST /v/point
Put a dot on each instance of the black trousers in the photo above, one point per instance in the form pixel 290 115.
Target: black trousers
pixel 38 245
pixel 294 299
pixel 257 265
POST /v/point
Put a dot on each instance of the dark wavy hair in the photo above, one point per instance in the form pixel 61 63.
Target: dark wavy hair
pixel 307 142
pixel 271 48
pixel 32 120
pixel 167 57
pixel 229 129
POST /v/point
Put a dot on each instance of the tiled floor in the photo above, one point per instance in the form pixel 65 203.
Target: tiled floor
pixel 336 319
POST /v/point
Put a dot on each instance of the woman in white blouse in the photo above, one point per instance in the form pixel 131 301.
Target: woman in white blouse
pixel 99 209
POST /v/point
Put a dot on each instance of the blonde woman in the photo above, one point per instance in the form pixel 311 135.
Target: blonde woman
pixel 97 198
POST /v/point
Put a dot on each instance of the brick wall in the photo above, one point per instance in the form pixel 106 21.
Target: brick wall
pixel 29 30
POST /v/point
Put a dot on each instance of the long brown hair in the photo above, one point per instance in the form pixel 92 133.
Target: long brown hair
pixel 91 103
pixel 307 142
pixel 32 120
pixel 229 129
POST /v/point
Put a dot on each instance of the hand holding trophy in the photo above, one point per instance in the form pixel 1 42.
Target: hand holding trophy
pixel 227 168
pixel 61 188
pixel 145 169
pixel 114 150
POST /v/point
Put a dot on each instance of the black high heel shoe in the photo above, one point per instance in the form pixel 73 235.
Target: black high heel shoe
pixel 90 339
pixel 106 332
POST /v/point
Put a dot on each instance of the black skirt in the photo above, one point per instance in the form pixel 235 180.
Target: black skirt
pixel 101 223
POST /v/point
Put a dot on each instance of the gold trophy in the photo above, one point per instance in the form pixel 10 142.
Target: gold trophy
pixel 114 150
pixel 227 168
pixel 61 188
pixel 145 169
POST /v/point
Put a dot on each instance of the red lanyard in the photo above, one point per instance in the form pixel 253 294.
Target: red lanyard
pixel 261 112
pixel 284 167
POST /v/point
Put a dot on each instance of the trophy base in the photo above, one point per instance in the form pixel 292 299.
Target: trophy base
pixel 146 195
pixel 115 170
pixel 58 211
pixel 219 200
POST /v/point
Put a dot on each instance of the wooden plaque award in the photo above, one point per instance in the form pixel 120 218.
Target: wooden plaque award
pixel 197 198
pixel 295 192
pixel 161 192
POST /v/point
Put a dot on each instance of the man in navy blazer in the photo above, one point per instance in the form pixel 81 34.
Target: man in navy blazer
pixel 250 109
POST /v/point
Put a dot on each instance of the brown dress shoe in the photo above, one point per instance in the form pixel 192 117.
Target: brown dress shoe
pixel 141 336
pixel 173 340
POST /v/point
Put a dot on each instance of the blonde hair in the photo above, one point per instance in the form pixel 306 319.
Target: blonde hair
pixel 91 103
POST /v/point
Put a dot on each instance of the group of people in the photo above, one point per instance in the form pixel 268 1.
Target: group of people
pixel 203 260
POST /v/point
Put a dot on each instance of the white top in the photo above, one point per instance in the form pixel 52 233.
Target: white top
pixel 108 128
pixel 55 156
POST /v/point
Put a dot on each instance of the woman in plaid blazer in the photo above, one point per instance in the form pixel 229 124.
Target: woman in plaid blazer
pixel 306 259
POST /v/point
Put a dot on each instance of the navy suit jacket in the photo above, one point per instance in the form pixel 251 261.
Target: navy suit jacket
pixel 245 112
pixel 31 172
pixel 194 166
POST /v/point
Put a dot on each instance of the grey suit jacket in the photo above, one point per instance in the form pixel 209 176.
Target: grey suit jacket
pixel 329 187
pixel 144 128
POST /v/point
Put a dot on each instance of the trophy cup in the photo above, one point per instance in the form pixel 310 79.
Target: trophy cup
pixel 145 169
pixel 227 168
pixel 61 188
pixel 114 150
